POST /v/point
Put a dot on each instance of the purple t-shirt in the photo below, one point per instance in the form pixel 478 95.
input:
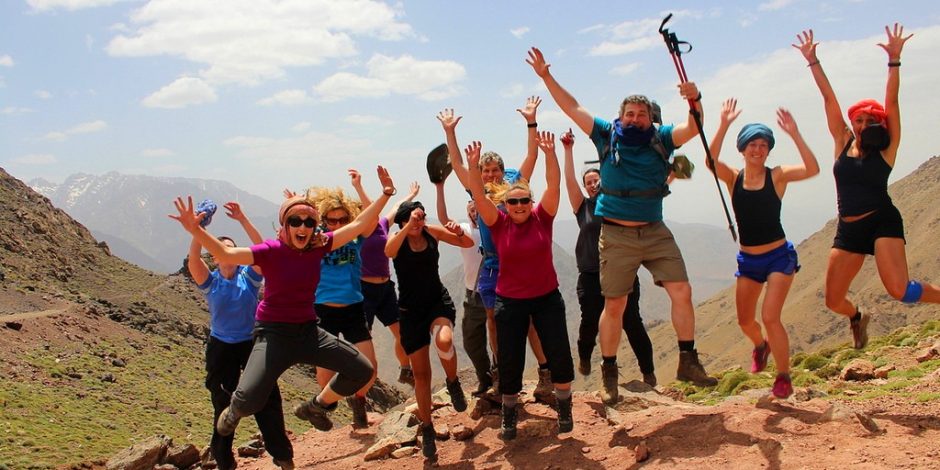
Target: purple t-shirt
pixel 526 270
pixel 374 261
pixel 291 279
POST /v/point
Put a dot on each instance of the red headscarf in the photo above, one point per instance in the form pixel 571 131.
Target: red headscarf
pixel 869 106
pixel 295 205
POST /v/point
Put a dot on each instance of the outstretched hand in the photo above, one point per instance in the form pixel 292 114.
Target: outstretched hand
pixel 448 120
pixel 288 193
pixel 531 106
pixel 567 139
pixel 355 177
pixel 187 217
pixel 388 186
pixel 537 61
pixel 896 40
pixel 546 141
pixel 806 45
pixel 234 211
pixel 414 188
pixel 786 122
pixel 473 154
pixel 454 227
pixel 729 111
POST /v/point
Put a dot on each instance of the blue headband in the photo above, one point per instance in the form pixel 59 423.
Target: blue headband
pixel 755 131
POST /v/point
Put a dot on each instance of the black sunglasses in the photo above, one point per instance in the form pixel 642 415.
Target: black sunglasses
pixel 332 221
pixel 296 221
pixel 521 200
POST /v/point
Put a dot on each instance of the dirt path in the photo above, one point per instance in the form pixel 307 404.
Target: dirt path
pixel 16 317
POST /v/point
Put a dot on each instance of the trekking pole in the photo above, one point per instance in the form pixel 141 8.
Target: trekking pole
pixel 675 47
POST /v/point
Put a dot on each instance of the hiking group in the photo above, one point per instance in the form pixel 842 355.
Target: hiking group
pixel 327 275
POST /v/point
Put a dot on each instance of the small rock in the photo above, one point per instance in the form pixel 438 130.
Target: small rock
pixel 930 353
pixel 836 412
pixel 538 428
pixel 585 450
pixel 882 372
pixel 165 466
pixel 108 378
pixel 118 362
pixel 641 452
pixel 461 432
pixel 381 449
pixel 13 325
pixel 858 370
pixel 182 456
pixel 404 452
pixel 442 433
pixel 479 407
pixel 74 375
pixel 832 447
pixel 868 423
pixel 252 448
pixel 850 393
pixel 141 456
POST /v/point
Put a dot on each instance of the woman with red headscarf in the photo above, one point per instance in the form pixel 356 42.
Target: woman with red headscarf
pixel 869 223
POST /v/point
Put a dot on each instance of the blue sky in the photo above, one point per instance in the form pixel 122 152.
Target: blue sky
pixel 268 94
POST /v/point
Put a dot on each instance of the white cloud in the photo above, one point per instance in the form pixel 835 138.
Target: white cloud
pixel 184 91
pixel 592 28
pixel 632 36
pixel 6 61
pixel 302 153
pixel 43 94
pixel 83 128
pixel 405 75
pixel 287 98
pixel 364 120
pixel 71 5
pixel 250 41
pixel 301 126
pixel 608 48
pixel 626 69
pixel 9 110
pixel 519 32
pixel 774 5
pixel 157 152
pixel 35 159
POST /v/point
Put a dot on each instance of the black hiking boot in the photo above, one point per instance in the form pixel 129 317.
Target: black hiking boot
pixel 609 392
pixel 509 423
pixel 691 370
pixel 428 444
pixel 285 464
pixel 457 398
pixel 358 406
pixel 650 379
pixel 406 376
pixel 565 421
pixel 227 422
pixel 317 414
pixel 584 366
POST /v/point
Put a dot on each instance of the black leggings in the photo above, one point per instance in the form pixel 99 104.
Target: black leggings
pixel 224 364
pixel 281 345
pixel 592 304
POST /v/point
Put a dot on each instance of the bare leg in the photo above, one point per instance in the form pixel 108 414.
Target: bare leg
pixel 536 344
pixel 842 269
pixel 445 342
pixel 395 328
pixel 891 259
pixel 778 285
pixel 683 313
pixel 746 294
pixel 610 326
pixel 421 365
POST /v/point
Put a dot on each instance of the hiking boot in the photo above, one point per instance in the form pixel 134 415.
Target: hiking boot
pixel 358 406
pixel 285 464
pixel 494 374
pixel 759 357
pixel 609 391
pixel 860 331
pixel 783 388
pixel 544 390
pixel 484 382
pixel 312 411
pixel 584 366
pixel 406 376
pixel 691 370
pixel 650 379
pixel 428 444
pixel 509 423
pixel 227 422
pixel 457 398
pixel 565 421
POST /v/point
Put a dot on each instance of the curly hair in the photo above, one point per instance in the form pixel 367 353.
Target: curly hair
pixel 637 99
pixel 329 199
pixel 499 193
pixel 492 157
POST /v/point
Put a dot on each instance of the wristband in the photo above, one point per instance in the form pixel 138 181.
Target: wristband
pixel 532 124
pixel 815 62
pixel 894 64
pixel 385 192
pixel 699 97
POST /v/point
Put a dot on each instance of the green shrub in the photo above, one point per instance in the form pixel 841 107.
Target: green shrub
pixel 813 362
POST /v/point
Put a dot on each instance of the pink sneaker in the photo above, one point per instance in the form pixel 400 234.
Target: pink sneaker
pixel 783 388
pixel 759 358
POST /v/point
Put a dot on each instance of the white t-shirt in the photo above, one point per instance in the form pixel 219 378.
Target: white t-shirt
pixel 471 256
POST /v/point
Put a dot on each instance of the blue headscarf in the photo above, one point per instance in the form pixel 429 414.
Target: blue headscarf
pixel 755 131
pixel 209 208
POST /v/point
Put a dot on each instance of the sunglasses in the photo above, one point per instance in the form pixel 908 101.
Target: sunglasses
pixel 296 221
pixel 513 201
pixel 332 221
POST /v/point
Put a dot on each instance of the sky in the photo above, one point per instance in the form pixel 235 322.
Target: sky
pixel 271 94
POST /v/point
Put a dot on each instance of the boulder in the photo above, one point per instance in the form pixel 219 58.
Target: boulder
pixel 882 372
pixel 182 456
pixel 403 452
pixel 858 370
pixel 461 432
pixel 141 456
pixel 930 353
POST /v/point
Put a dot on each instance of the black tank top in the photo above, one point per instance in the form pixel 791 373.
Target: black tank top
pixel 861 182
pixel 757 212
pixel 419 282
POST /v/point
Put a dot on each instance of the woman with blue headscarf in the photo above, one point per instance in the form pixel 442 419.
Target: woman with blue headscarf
pixel 766 257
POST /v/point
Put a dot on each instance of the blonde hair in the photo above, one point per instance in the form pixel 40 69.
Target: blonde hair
pixel 330 199
pixel 500 192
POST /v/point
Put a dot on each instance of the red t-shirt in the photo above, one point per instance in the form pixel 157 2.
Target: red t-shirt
pixel 291 279
pixel 525 255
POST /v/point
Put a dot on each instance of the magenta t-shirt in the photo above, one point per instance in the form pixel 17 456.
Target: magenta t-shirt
pixel 291 279
pixel 374 261
pixel 525 255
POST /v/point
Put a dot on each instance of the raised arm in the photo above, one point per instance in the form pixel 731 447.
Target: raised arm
pixel 190 222
pixel 485 207
pixel 893 47
pixel 729 112
pixel 810 166
pixel 395 241
pixel 413 190
pixel 450 233
pixel 685 131
pixel 234 211
pixel 197 266
pixel 449 123
pixel 532 147
pixel 356 180
pixel 370 216
pixel 581 117
pixel 837 126
pixel 552 192
pixel 441 203
pixel 575 196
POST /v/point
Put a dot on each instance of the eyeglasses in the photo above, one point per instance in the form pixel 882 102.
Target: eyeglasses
pixel 513 201
pixel 295 221
pixel 332 221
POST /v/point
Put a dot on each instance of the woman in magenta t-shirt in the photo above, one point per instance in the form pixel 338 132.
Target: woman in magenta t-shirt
pixel 527 286
pixel 286 331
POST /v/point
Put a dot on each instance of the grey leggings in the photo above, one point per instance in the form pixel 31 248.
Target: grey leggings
pixel 278 346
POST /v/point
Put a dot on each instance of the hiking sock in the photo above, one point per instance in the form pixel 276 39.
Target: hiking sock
pixel 325 407
pixel 609 360
pixel 543 366
pixel 562 394
pixel 510 400
pixel 688 346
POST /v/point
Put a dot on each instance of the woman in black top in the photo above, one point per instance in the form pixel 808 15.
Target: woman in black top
pixel 865 152
pixel 426 311
pixel 766 257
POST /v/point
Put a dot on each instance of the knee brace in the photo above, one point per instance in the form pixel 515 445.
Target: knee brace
pixel 913 292
pixel 445 355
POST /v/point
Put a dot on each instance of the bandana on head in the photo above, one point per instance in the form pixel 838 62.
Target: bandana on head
pixel 404 211
pixel 755 131
pixel 297 205
pixel 869 107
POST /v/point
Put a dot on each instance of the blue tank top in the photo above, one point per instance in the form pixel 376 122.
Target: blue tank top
pixel 757 212
pixel 861 182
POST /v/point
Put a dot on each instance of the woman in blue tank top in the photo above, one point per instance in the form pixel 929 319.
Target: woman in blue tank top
pixel 865 151
pixel 766 257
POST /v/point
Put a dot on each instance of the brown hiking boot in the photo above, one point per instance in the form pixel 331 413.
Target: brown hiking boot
pixel 650 379
pixel 609 391
pixel 860 331
pixel 358 406
pixel 691 370
pixel 318 415
pixel 544 390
